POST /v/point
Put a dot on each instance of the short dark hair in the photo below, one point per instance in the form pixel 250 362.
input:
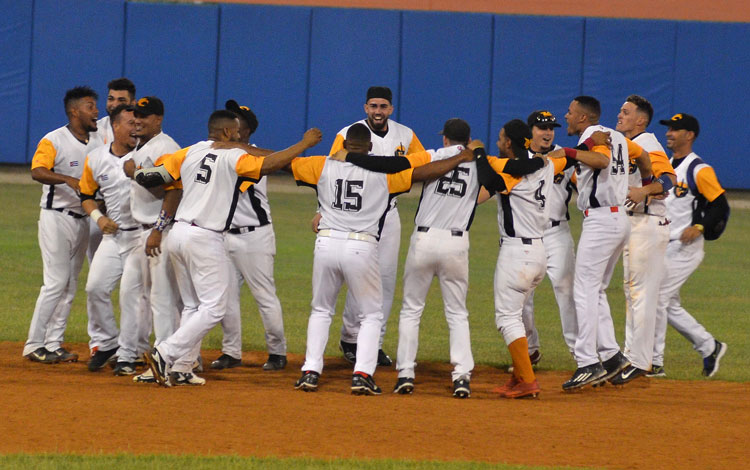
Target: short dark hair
pixel 218 119
pixel 643 105
pixel 519 134
pixel 75 94
pixel 591 106
pixel 122 84
pixel 114 116
pixel 358 132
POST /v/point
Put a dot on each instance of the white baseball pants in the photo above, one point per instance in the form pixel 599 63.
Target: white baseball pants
pixel 643 270
pixel 681 261
pixel 603 238
pixel 95 238
pixel 436 253
pixel 252 255
pixel 338 259
pixel 62 241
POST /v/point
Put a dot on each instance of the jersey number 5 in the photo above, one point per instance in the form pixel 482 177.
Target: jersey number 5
pixel 204 174
pixel 346 196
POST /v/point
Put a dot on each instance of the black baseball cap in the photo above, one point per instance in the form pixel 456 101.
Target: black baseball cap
pixel 244 112
pixel 457 130
pixel 379 92
pixel 149 105
pixel 682 121
pixel 542 118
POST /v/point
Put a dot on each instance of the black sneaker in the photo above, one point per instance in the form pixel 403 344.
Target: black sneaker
pixel 65 356
pixel 613 366
pixel 225 361
pixel 584 376
pixel 185 378
pixel 657 371
pixel 461 388
pixel 124 368
pixel 275 362
pixel 383 359
pixel 363 384
pixel 43 356
pixel 100 358
pixel 628 374
pixel 158 366
pixel 535 357
pixel 308 382
pixel 711 363
pixel 349 350
pixel 404 386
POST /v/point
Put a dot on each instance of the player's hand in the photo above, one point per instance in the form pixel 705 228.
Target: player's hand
pixel 316 221
pixel 107 225
pixel 636 195
pixel 129 168
pixel 153 243
pixel 466 155
pixel 558 153
pixel 474 144
pixel 340 155
pixel 690 234
pixel 601 138
pixel 74 184
pixel 312 137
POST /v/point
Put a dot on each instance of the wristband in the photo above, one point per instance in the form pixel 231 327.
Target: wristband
pixel 666 182
pixel 96 214
pixel 163 221
pixel 699 227
pixel 589 143
pixel 570 153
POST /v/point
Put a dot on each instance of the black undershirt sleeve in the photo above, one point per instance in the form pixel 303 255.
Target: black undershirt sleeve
pixel 379 164
pixel 487 176
pixel 522 167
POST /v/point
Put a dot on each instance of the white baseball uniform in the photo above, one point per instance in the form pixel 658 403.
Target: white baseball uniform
pixel 103 173
pixel 643 259
pixel 440 248
pixel 251 245
pixel 682 260
pixel 398 141
pixel 156 271
pixel 606 228
pixel 202 267
pixel 63 235
pixel 106 135
pixel 353 203
pixel 560 251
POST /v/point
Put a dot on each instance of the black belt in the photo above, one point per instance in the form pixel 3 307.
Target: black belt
pixel 455 233
pixel 70 213
pixel 555 223
pixel 130 229
pixel 239 230
pixel 526 241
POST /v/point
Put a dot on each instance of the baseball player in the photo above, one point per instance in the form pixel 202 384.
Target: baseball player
pixel 209 177
pixel 63 229
pixel 102 172
pixel 522 217
pixel 156 271
pixel 393 139
pixel 643 254
pixel 696 206
pixel 602 189
pixel 121 91
pixel 251 246
pixel 558 242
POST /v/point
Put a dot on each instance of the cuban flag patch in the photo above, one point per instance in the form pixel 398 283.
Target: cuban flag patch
pixel 74 163
pixel 105 177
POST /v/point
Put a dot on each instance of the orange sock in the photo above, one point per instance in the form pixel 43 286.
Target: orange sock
pixel 519 352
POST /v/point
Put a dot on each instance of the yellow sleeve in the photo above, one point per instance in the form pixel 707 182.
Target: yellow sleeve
pixel 87 184
pixel 173 162
pixel 307 170
pixel 418 159
pixel 660 164
pixel 44 155
pixel 604 150
pixel 708 184
pixel 634 150
pixel 400 182
pixel 415 145
pixel 338 144
pixel 559 164
pixel 249 166
pixel 498 164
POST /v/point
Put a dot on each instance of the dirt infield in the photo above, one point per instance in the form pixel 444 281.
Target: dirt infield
pixel 656 424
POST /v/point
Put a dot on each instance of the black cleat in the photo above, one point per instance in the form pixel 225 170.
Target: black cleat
pixel 404 386
pixel 657 371
pixel 308 382
pixel 363 384
pixel 100 358
pixel 124 368
pixel 461 388
pixel 585 376
pixel 383 359
pixel 275 362
pixel 43 356
pixel 612 366
pixel 65 356
pixel 628 374
pixel 158 366
pixel 225 361
pixel 711 363
pixel 349 350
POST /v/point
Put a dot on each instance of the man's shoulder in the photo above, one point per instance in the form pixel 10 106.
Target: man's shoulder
pixel 165 141
pixel 399 127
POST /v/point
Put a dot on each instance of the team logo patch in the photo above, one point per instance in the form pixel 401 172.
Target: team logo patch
pixel 400 151
pixel 142 102
pixel 676 117
pixel 244 108
pixel 632 168
pixel 680 190
pixel 559 178
pixel 74 163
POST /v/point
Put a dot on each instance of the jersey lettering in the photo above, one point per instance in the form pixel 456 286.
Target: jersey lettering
pixel 204 174
pixel 618 163
pixel 539 195
pixel 346 197
pixel 453 185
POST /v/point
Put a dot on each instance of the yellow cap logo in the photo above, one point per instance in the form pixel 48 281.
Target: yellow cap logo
pixel 546 114
pixel 142 102
pixel 676 117
pixel 245 108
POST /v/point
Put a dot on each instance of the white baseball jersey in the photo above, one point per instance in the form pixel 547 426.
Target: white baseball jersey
pixel 60 151
pixel 252 209
pixel 659 165
pixel 680 201
pixel 397 142
pixel 560 192
pixel 449 201
pixel 104 130
pixel 146 206
pixel 608 186
pixel 205 175
pixel 103 172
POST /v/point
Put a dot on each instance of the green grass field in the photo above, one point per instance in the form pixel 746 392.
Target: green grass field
pixel 717 294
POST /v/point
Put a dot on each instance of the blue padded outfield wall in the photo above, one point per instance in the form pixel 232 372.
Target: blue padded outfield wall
pixel 299 67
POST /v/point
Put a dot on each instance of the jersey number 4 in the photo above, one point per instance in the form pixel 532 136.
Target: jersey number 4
pixel 453 185
pixel 204 174
pixel 347 196
pixel 618 163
